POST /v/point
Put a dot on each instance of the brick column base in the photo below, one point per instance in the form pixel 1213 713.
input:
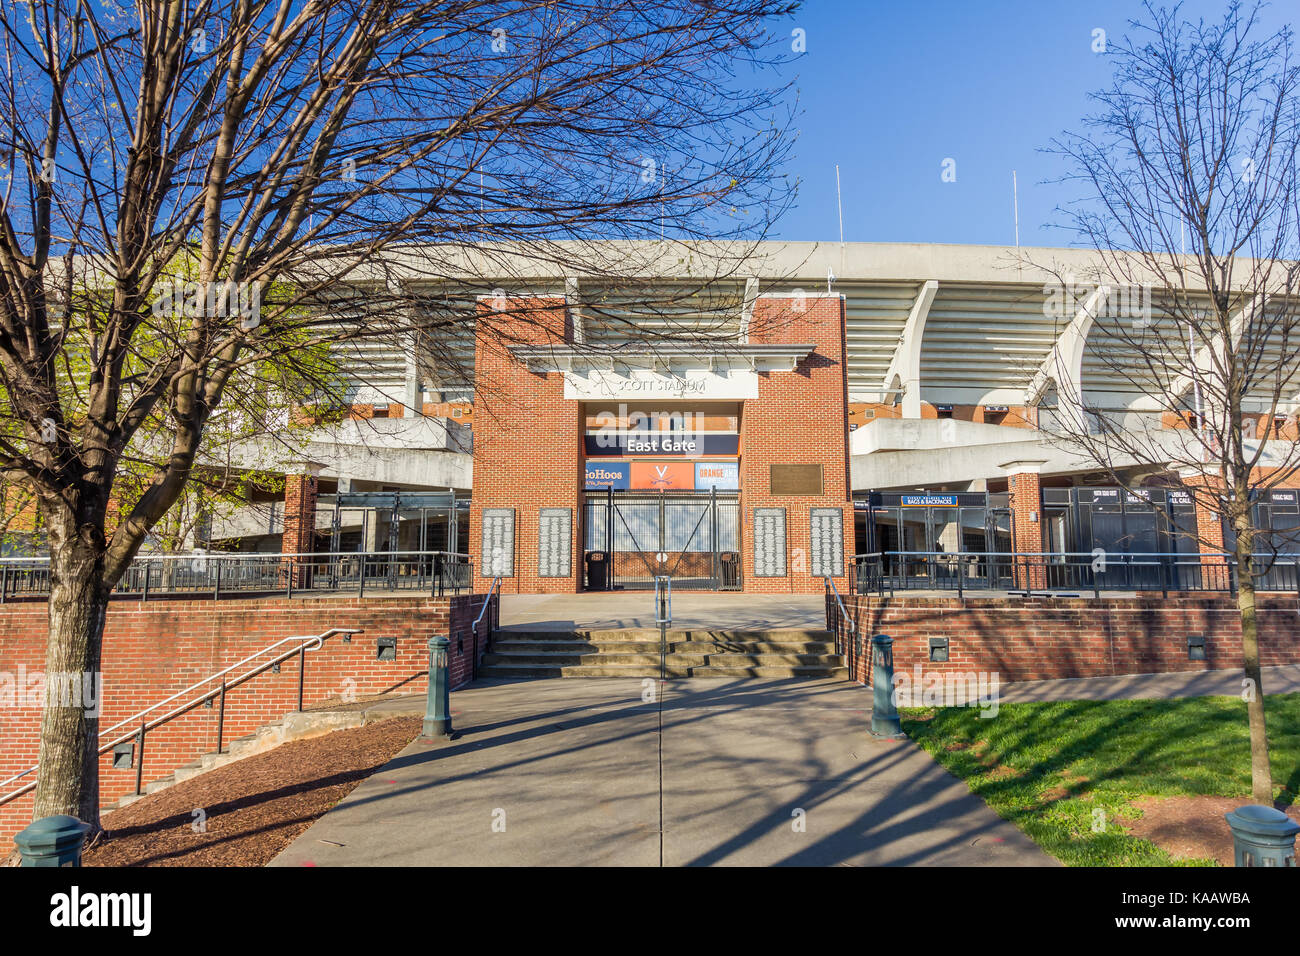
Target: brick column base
pixel 1027 524
pixel 299 527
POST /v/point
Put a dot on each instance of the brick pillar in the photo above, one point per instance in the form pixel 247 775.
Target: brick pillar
pixel 299 535
pixel 299 514
pixel 800 417
pixel 1027 522
pixel 1209 528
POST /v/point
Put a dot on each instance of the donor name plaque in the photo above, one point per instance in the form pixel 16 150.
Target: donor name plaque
pixel 498 543
pixel 769 542
pixel 827 526
pixel 555 543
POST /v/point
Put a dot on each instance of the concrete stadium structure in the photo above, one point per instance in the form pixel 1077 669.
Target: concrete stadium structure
pixel 936 371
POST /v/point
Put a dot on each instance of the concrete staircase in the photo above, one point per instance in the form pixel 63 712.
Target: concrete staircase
pixel 690 653
pixel 292 726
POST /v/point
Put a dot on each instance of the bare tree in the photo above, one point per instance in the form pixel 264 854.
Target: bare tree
pixel 1190 316
pixel 197 192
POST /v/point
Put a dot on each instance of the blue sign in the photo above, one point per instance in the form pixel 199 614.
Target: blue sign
pixel 687 444
pixel 614 474
pixel 929 501
pixel 723 475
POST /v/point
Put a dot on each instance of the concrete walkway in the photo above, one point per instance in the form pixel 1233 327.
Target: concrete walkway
pixel 691 609
pixel 1276 680
pixel 586 772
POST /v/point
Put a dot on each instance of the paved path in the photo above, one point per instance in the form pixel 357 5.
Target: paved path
pixel 691 609
pixel 1276 680
pixel 585 772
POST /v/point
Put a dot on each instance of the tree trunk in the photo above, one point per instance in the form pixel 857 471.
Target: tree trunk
pixel 68 777
pixel 1261 775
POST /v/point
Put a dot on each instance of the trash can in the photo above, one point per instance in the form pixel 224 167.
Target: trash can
pixel 730 564
pixel 597 571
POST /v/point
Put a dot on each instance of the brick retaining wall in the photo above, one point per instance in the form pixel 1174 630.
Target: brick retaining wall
pixel 154 649
pixel 1046 638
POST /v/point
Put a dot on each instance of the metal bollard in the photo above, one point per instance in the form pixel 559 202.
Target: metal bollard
pixel 437 711
pixel 884 715
pixel 1262 836
pixel 52 841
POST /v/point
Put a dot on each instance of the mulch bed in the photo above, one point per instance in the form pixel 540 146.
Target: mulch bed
pixel 251 809
pixel 1190 827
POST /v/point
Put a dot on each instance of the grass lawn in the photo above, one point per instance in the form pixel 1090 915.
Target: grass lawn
pixel 1050 767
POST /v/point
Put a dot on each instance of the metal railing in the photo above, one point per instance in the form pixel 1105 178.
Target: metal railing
pixel 146 723
pixel 493 624
pixel 231 575
pixel 1063 572
pixel 843 616
pixel 663 600
pixel 663 618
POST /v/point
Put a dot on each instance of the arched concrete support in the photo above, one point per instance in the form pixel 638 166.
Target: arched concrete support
pixel 1211 358
pixel 905 366
pixel 1063 366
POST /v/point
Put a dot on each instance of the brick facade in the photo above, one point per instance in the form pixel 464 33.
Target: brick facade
pixel 1052 638
pixel 800 417
pixel 299 514
pixel 1027 527
pixel 527 439
pixel 155 649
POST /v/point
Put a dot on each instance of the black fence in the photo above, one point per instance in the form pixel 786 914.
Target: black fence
pixel 234 575
pixel 1064 573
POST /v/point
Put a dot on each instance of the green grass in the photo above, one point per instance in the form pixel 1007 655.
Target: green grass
pixel 1048 767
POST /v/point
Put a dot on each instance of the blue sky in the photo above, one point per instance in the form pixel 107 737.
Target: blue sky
pixel 889 90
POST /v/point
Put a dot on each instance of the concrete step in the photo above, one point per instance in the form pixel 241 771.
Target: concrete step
pixel 618 635
pixel 583 670
pixel 729 658
pixel 293 726
pixel 512 646
pixel 635 652
pixel 640 671
pixel 818 671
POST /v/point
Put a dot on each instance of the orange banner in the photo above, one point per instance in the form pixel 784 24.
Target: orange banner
pixel 663 475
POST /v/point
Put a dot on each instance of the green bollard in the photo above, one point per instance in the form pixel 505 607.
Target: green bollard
pixel 1262 836
pixel 52 841
pixel 884 715
pixel 437 710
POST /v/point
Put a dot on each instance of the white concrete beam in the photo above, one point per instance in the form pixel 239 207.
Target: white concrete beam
pixel 571 299
pixel 747 308
pixel 905 366
pixel 1215 353
pixel 1064 363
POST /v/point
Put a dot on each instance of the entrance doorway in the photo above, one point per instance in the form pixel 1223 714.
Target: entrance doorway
pixel 630 538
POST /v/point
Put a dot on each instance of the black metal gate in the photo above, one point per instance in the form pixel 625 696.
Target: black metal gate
pixel 631 538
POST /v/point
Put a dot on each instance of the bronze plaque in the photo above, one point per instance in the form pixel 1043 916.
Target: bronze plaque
pixel 796 479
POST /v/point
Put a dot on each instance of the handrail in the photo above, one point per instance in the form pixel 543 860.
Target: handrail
pixel 664 605
pixel 487 602
pixel 227 574
pixel 246 555
pixel 1063 554
pixel 844 612
pixel 309 642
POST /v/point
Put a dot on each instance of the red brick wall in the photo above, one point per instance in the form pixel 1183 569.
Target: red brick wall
pixel 800 417
pixel 1048 638
pixel 1027 526
pixel 527 440
pixel 299 514
pixel 154 649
